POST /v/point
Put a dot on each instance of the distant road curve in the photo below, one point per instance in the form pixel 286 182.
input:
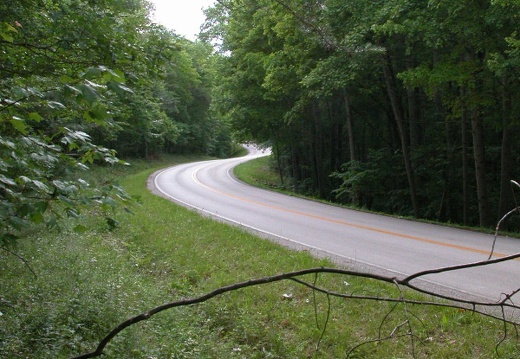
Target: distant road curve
pixel 363 241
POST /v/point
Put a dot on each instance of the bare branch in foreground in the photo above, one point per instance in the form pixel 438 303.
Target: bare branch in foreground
pixel 517 209
pixel 456 302
pixel 22 259
pixel 497 228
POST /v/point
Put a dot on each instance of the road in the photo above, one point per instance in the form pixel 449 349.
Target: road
pixel 362 241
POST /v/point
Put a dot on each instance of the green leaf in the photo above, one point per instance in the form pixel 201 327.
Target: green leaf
pixel 80 229
pixel 93 72
pixel 112 75
pixel 7 181
pixel 17 223
pixel 41 186
pixel 52 223
pixel 35 116
pixel 112 223
pixel 8 144
pixel 89 91
pixel 119 88
pixel 41 206
pixel 19 124
pixel 66 79
pixel 8 239
pixel 72 90
pixel 55 105
pixel 7 31
pixel 97 114
pixel 6 36
pixel 37 218
pixel 72 212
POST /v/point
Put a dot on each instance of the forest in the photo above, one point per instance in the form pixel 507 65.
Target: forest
pixel 403 107
pixel 410 108
pixel 89 83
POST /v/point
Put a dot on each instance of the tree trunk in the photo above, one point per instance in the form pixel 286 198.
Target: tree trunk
pixel 350 126
pixel 279 164
pixel 413 110
pixel 477 129
pixel 465 160
pixel 447 212
pixel 403 135
pixel 296 171
pixel 317 144
pixel 506 162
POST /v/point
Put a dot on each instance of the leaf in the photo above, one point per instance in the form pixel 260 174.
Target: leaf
pixel 8 144
pixel 7 181
pixel 112 75
pixel 6 36
pixel 98 115
pixel 8 239
pixel 37 218
pixel 83 183
pixel 112 223
pixel 64 79
pixel 7 31
pixel 17 223
pixel 35 116
pixel 41 186
pixel 89 91
pixel 80 229
pixel 72 90
pixel 53 222
pixel 55 105
pixel 119 88
pixel 72 212
pixel 19 124
pixel 41 206
pixel 93 72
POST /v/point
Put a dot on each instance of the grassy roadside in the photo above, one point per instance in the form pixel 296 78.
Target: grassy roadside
pixel 89 283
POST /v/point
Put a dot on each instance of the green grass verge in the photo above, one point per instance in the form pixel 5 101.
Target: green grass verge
pixel 87 284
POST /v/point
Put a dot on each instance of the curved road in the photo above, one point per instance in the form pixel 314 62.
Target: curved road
pixel 363 241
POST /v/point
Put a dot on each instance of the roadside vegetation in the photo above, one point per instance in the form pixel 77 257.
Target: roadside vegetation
pixel 402 107
pixel 87 283
pixel 84 245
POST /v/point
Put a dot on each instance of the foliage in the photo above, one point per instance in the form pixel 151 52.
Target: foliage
pixel 80 82
pixel 331 83
pixel 87 283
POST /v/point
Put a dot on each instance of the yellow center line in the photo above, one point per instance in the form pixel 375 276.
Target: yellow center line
pixel 353 225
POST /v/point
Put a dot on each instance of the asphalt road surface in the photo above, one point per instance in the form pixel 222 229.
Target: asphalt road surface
pixel 362 241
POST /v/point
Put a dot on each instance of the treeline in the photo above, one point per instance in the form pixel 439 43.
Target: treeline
pixel 406 107
pixel 132 85
pixel 82 82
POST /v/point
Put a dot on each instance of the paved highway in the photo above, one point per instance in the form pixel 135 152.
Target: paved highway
pixel 368 242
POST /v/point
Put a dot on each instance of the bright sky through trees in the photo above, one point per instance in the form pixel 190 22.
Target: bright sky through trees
pixel 184 17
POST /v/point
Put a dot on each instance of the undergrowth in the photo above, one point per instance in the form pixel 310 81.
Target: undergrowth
pixel 88 283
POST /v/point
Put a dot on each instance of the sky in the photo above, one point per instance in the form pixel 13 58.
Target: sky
pixel 182 16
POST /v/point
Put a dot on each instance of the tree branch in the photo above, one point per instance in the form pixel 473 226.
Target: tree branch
pixel 21 259
pixel 294 276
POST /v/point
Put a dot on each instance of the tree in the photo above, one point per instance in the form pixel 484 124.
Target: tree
pixel 421 90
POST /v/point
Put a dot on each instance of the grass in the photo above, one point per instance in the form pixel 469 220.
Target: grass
pixel 87 284
pixel 258 172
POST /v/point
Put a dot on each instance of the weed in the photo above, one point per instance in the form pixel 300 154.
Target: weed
pixel 90 282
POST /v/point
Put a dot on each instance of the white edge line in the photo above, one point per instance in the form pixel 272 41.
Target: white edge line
pixel 324 251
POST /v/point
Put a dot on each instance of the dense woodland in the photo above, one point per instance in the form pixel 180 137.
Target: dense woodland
pixel 82 82
pixel 405 107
